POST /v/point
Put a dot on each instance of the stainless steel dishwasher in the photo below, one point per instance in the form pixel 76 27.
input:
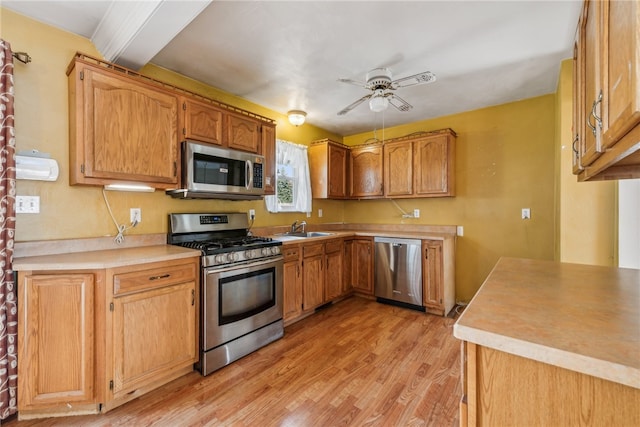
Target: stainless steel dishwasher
pixel 398 272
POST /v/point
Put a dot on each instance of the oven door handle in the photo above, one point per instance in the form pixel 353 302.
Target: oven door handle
pixel 249 175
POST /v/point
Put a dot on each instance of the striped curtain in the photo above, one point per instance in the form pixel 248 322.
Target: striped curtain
pixel 8 302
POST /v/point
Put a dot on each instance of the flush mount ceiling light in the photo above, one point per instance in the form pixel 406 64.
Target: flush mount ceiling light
pixel 296 117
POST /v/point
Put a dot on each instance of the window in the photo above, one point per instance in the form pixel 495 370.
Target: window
pixel 293 186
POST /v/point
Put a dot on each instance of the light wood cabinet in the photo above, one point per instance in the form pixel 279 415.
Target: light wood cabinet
pixel 347 262
pixel 398 169
pixel 242 133
pixel 366 177
pixel 312 276
pixel 328 169
pixel 438 275
pixel 121 129
pixel 503 389
pixel 201 121
pixel 92 340
pixel 56 343
pixel 433 159
pixel 292 280
pixel 334 260
pixel 607 91
pixel 362 265
pixel 268 150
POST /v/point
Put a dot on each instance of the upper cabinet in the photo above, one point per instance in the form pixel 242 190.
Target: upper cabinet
pixel 365 164
pixel 328 162
pixel 418 165
pixel 121 129
pixel 606 91
pixel 125 127
pixel 202 121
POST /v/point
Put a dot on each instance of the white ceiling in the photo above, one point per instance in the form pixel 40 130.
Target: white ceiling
pixel 290 54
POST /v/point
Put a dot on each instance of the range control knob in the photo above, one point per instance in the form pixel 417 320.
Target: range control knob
pixel 219 259
pixel 275 250
pixel 265 251
pixel 248 254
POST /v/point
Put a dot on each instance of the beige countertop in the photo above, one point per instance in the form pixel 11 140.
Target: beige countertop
pixel 579 317
pixel 106 258
pixel 367 233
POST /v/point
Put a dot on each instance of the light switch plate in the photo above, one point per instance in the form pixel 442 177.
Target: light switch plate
pixel 27 204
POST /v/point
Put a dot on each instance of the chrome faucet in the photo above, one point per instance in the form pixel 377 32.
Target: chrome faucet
pixel 295 227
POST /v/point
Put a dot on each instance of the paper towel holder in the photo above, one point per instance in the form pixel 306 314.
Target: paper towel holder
pixel 35 165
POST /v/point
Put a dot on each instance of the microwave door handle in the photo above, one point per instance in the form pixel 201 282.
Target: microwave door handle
pixel 249 175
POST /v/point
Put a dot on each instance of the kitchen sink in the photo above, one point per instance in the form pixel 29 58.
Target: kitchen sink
pixel 302 235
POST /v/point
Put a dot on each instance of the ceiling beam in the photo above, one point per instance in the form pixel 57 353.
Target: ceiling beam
pixel 131 33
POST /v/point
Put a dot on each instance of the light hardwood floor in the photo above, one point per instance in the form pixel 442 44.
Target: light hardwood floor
pixel 355 363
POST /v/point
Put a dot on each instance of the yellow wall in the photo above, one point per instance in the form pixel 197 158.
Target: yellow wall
pixel 504 162
pixel 586 211
pixel 41 123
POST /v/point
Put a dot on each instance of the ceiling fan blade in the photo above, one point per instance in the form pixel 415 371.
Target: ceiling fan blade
pixel 398 102
pixel 417 79
pixel 350 107
pixel 353 82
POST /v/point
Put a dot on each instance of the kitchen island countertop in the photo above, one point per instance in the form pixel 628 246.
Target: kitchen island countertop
pixel 579 317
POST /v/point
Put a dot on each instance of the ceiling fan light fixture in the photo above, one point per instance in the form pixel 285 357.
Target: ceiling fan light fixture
pixel 378 103
pixel 297 117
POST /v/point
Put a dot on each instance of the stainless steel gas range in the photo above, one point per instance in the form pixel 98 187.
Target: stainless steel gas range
pixel 241 285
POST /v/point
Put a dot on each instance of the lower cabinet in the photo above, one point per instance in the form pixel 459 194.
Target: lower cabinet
pixel 55 343
pixel 438 276
pixel 292 279
pixel 362 265
pixel 501 389
pixel 312 276
pixel 334 283
pixel 92 340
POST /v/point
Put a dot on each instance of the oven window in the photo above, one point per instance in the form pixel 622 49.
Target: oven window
pixel 246 295
pixel 218 170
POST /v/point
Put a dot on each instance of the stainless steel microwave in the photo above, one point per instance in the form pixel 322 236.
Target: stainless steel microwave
pixel 211 172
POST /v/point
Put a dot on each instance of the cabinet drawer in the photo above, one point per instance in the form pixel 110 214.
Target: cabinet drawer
pixel 333 246
pixel 153 278
pixel 312 250
pixel 291 253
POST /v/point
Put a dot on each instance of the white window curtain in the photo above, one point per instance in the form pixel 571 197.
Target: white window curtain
pixel 292 156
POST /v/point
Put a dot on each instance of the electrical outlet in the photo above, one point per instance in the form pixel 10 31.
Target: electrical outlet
pixel 27 204
pixel 135 215
pixel 526 213
pixel 252 214
pixel 319 213
pixel 460 231
pixel 416 213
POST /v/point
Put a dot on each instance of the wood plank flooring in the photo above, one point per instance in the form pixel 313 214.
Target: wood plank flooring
pixel 355 363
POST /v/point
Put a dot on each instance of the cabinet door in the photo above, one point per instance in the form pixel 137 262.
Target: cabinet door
pixel 243 133
pixel 398 169
pixel 333 275
pixel 365 166
pixel 337 172
pixel 621 73
pixel 591 30
pixel 578 128
pixel 269 153
pixel 202 122
pixel 432 274
pixel 433 166
pixel 363 266
pixel 153 334
pixel 313 281
pixel 292 279
pixel 347 271
pixel 56 341
pixel 130 131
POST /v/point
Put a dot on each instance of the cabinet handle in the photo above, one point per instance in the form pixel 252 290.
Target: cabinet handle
pixel 574 145
pixel 426 254
pixel 164 276
pixel 193 297
pixel 595 116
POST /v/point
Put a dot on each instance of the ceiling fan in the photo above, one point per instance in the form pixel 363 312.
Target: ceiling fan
pixel 380 82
